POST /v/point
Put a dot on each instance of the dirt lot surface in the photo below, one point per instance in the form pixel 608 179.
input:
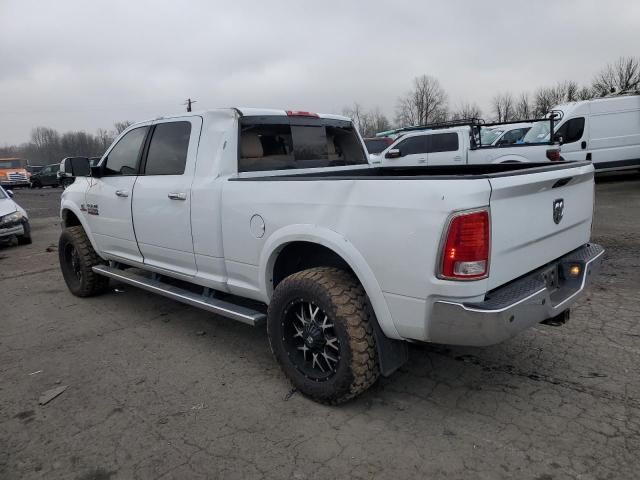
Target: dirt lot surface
pixel 150 396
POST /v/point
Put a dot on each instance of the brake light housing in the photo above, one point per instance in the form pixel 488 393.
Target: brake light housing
pixel 553 154
pixel 301 113
pixel 465 246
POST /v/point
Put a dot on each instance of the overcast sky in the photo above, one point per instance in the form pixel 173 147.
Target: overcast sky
pixel 82 65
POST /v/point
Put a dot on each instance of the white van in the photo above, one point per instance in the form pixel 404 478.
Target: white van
pixel 604 130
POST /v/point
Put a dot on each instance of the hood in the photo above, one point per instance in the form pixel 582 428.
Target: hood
pixel 7 206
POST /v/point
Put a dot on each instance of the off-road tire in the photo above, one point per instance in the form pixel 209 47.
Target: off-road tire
pixel 25 239
pixel 88 283
pixel 344 301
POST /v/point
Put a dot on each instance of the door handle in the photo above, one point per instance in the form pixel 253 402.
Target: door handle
pixel 177 196
pixel 583 144
pixel 122 193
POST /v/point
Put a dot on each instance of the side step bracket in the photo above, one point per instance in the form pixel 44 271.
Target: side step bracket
pixel 214 305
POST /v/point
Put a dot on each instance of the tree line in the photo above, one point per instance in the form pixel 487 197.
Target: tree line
pixel 46 145
pixel 428 102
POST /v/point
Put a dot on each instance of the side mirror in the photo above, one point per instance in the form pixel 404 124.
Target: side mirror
pixel 558 138
pixel 393 153
pixel 10 193
pixel 80 167
pixel 97 171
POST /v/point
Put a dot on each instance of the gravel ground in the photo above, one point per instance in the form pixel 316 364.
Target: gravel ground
pixel 149 396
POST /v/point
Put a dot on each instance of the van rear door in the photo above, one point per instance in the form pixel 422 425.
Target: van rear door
pixel 537 217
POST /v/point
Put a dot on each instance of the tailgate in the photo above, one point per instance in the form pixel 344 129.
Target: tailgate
pixel 537 217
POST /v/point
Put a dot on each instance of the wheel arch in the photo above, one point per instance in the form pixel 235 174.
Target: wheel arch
pixel 336 247
pixel 71 216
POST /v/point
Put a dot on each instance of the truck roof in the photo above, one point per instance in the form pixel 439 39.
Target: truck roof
pixel 253 112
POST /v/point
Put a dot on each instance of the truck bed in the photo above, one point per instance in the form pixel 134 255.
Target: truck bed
pixel 458 172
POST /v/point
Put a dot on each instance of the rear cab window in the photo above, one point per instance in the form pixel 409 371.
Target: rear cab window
pixel 167 153
pixel 442 142
pixel 276 142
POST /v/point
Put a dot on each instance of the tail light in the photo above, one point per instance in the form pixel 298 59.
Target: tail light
pixel 301 113
pixel 465 254
pixel 554 155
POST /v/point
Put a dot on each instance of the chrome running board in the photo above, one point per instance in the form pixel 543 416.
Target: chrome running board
pixel 211 304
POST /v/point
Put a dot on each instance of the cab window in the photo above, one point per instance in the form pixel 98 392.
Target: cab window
pixel 571 131
pixel 123 157
pixel 168 149
pixel 413 145
pixel 442 142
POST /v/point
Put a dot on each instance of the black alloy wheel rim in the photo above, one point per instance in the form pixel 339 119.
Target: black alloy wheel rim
pixel 310 340
pixel 72 259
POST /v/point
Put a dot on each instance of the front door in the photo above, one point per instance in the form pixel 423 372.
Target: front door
pixel 413 151
pixel 162 196
pixel 108 199
pixel 574 141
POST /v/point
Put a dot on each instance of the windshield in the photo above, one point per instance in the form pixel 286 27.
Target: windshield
pixel 376 145
pixel 539 133
pixel 10 164
pixel 490 135
pixel 3 195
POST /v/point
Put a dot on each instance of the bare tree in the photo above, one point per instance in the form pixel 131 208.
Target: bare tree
pixel 121 126
pixel 503 107
pixel 543 101
pixel 379 121
pixel 425 103
pixel 46 144
pixel 360 118
pixel 104 139
pixel 585 93
pixel 623 75
pixel 466 110
pixel 523 108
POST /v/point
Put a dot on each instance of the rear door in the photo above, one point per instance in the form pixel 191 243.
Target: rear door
pixel 162 196
pixel 444 149
pixel 538 217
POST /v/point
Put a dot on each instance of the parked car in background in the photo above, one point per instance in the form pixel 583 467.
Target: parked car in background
pixel 504 135
pixel 604 130
pixel 14 221
pixel 460 144
pixel 13 173
pixel 376 145
pixel 47 177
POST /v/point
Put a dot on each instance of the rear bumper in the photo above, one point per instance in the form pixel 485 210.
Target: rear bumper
pixel 516 306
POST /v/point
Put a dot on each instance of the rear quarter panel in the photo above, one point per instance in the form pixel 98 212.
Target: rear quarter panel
pixel 392 226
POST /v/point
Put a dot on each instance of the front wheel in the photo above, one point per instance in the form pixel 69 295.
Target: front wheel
pixel 25 239
pixel 77 259
pixel 320 332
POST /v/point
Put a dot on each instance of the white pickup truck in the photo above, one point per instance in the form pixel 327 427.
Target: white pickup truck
pixel 276 216
pixel 457 145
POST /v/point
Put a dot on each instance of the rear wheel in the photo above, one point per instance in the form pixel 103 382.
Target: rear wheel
pixel 321 334
pixel 77 258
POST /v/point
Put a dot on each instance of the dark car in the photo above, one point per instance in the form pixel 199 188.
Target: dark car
pixel 47 177
pixel 376 145
pixel 33 169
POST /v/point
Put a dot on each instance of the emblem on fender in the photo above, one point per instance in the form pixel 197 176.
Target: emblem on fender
pixel 558 210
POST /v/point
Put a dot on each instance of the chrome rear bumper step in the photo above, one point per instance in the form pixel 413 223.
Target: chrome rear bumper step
pixel 214 305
